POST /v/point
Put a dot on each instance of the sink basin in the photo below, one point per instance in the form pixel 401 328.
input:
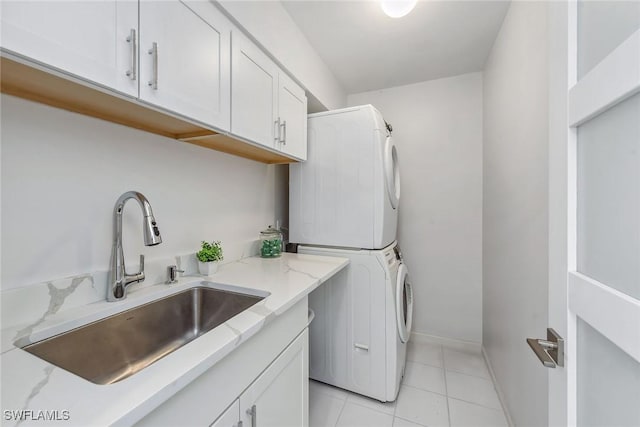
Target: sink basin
pixel 117 347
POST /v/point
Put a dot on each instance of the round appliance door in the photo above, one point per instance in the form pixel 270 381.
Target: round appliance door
pixel 392 172
pixel 404 303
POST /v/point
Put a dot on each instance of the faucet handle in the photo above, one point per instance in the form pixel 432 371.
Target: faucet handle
pixel 172 274
pixel 134 278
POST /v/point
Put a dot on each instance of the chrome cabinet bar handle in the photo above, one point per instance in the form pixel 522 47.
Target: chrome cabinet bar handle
pixel 276 131
pixel 133 72
pixel 154 53
pixel 284 132
pixel 361 346
pixel 253 413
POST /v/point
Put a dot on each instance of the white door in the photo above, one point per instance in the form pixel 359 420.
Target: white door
pixel 185 50
pixel 292 112
pixel 254 93
pixel 594 217
pixel 93 40
pixel 280 396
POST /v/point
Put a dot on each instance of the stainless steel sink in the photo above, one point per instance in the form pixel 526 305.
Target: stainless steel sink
pixel 117 347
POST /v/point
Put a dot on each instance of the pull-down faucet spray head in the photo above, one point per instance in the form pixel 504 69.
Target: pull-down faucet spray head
pixel 151 231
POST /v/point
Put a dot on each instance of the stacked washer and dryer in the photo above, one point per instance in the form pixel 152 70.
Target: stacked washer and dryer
pixel 344 202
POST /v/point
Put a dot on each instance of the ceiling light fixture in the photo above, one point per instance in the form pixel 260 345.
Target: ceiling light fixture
pixel 397 8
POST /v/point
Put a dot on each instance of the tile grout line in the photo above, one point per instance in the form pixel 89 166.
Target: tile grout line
pixel 395 406
pixel 440 394
pixel 411 421
pixel 446 387
pixel 469 375
pixel 369 407
pixel 421 389
pixel 344 403
pixel 475 404
pixel 424 364
pixel 346 400
pixel 497 388
pixel 451 370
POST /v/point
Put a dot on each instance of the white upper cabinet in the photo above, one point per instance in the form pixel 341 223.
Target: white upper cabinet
pixel 185 59
pixel 254 92
pixel 267 107
pixel 93 40
pixel 292 107
pixel 177 56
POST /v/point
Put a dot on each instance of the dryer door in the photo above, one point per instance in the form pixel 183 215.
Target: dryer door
pixel 392 172
pixel 404 304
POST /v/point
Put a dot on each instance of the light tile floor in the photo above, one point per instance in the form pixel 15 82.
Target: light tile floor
pixel 442 386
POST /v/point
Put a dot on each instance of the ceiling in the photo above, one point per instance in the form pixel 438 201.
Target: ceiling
pixel 366 50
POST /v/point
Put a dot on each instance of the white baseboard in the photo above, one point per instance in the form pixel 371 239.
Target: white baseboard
pixel 497 386
pixel 466 346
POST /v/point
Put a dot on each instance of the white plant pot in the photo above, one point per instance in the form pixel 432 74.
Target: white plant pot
pixel 208 268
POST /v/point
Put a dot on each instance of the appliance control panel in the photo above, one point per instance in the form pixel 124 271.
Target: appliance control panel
pixel 398 253
pixel 393 255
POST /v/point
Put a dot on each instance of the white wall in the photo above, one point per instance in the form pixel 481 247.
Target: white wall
pixel 438 129
pixel 515 209
pixel 62 173
pixel 270 24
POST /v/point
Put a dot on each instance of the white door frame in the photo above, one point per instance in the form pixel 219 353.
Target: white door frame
pixel 571 294
pixel 560 79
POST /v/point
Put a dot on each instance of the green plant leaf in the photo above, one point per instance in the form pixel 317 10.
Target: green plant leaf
pixel 210 252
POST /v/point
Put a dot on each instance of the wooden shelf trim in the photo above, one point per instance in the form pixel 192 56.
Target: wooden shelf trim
pixel 24 81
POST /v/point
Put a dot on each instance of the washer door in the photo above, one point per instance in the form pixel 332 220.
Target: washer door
pixel 404 304
pixel 392 172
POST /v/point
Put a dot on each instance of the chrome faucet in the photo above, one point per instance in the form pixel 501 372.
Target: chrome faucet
pixel 118 278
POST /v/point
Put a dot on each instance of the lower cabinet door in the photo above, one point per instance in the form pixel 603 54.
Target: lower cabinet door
pixel 280 395
pixel 230 417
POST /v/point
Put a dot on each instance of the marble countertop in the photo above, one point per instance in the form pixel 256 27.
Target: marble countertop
pixel 33 385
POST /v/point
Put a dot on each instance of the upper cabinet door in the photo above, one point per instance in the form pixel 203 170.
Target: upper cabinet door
pixel 254 92
pixel 292 103
pixel 185 59
pixel 93 40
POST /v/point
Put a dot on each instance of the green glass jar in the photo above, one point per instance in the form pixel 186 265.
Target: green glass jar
pixel 270 243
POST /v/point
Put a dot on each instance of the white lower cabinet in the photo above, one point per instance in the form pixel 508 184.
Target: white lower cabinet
pixel 280 396
pixel 230 418
pixel 263 382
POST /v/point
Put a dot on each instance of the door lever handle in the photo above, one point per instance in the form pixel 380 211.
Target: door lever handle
pixel 549 351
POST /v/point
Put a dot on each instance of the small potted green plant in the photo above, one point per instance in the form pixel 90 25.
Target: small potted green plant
pixel 209 257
